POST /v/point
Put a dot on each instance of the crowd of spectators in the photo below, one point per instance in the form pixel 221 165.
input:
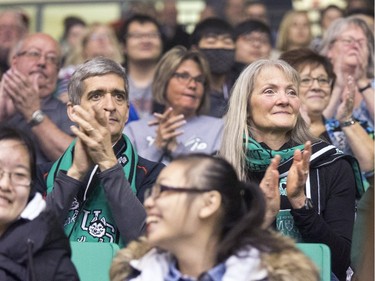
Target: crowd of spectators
pixel 106 117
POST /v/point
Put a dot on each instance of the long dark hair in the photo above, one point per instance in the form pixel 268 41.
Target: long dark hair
pixel 243 205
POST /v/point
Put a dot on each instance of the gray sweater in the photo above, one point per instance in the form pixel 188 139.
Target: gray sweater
pixel 202 134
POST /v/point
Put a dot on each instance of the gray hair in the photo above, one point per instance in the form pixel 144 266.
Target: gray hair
pixel 97 66
pixel 340 25
pixel 238 118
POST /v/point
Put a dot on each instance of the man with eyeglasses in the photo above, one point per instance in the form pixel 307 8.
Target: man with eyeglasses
pixel 253 41
pixel 26 100
pixel 142 41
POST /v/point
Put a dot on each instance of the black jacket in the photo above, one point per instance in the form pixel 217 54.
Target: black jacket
pixel 36 250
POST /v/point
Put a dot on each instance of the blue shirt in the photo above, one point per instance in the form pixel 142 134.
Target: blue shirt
pixel 214 274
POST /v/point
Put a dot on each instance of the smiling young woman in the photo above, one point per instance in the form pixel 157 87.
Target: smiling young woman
pixel 33 245
pixel 205 224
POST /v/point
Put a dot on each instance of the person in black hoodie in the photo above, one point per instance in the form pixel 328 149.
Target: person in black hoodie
pixel 33 245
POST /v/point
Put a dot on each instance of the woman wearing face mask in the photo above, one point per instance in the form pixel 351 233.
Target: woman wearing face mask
pixel 349 44
pixel 205 224
pixel 33 245
pixel 317 193
pixel 354 137
pixel 181 85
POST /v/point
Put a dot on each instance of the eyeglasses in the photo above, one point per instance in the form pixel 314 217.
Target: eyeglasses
pixel 138 35
pixel 263 40
pixel 155 191
pixel 186 78
pixel 16 178
pixel 322 81
pixel 36 55
pixel 348 41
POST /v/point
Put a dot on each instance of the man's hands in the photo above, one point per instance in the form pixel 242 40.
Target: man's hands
pixel 7 108
pixel 94 144
pixel 23 92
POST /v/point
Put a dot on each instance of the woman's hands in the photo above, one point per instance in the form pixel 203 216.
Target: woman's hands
pixel 345 108
pixel 297 177
pixel 168 128
pixel 270 187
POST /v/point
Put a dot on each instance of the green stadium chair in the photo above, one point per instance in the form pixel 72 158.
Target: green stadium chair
pixel 93 260
pixel 320 254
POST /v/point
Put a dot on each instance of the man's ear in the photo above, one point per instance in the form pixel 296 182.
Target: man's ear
pixel 69 110
pixel 211 204
pixel 127 113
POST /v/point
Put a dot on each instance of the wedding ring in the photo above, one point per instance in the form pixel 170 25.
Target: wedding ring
pixel 305 173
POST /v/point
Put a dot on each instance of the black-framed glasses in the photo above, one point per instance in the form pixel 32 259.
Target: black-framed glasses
pixel 155 191
pixel 16 177
pixel 35 55
pixel 140 35
pixel 348 41
pixel 322 81
pixel 251 39
pixel 186 78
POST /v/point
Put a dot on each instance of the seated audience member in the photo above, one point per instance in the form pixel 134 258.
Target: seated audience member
pixel 205 224
pixel 354 137
pixel 256 10
pixel 97 186
pixel 143 46
pixel 33 245
pixel 26 100
pixel 14 25
pixel 253 41
pixel 214 38
pixel 74 29
pixel 174 33
pixel 233 11
pixel 294 31
pixel 367 15
pixel 349 44
pixel 181 85
pixel 98 40
pixel 327 15
pixel 316 194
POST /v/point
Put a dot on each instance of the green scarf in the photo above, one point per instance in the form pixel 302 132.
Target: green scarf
pixel 259 158
pixel 89 218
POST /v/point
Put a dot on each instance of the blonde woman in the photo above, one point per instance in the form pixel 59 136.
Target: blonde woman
pixel 263 121
pixel 294 31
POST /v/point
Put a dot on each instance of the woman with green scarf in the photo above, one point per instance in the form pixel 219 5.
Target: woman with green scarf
pixel 310 186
